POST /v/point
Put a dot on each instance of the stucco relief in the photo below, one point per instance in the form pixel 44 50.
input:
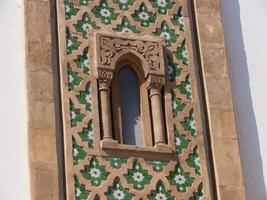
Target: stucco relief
pixel 108 48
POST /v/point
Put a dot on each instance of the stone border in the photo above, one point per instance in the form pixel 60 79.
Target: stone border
pixel 46 177
pixel 43 111
pixel 224 146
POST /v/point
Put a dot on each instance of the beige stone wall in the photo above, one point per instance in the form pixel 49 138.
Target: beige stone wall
pixel 41 101
pixel 223 136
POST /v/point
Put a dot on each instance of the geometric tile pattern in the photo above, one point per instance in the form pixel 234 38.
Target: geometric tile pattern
pixel 96 176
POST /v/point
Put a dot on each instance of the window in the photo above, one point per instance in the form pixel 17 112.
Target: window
pixel 130 73
pixel 129 98
pixel 130 103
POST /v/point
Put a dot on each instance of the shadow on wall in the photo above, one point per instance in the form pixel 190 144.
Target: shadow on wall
pixel 244 113
pixel 57 97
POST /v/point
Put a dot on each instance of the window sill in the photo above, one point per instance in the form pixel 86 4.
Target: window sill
pixel 158 148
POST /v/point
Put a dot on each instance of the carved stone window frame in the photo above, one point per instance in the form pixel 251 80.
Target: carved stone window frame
pixel 147 55
pixel 46 169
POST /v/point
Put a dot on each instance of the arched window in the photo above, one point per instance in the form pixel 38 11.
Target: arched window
pixel 129 97
pixel 130 103
pixel 133 94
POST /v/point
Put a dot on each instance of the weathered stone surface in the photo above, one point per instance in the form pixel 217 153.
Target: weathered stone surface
pixel 223 125
pixel 39 53
pixel 227 162
pixel 40 100
pixel 219 92
pixel 211 29
pixel 232 192
pixel 43 184
pixel 225 150
pixel 214 61
pixel 44 93
pixel 208 6
pixel 38 21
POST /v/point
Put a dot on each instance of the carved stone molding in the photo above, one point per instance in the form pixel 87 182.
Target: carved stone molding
pixel 107 49
pixel 104 84
pixel 155 81
pixel 104 74
pixel 104 79
pixel 111 46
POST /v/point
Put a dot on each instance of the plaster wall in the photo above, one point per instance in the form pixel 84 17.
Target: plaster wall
pixel 245 29
pixel 13 142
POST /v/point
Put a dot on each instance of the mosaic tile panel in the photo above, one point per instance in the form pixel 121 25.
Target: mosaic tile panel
pixel 105 177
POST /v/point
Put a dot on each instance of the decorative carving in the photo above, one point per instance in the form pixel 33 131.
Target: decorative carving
pixel 104 84
pixel 104 79
pixel 108 48
pixel 155 81
pixel 104 74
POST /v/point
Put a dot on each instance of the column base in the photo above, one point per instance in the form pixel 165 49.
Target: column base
pixel 109 143
pixel 163 148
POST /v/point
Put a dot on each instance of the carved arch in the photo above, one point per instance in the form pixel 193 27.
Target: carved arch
pixel 135 61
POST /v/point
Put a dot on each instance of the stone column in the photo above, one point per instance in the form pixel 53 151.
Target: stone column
pixel 155 87
pixel 104 83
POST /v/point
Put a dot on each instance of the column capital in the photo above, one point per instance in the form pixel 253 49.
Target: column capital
pixel 104 78
pixel 104 84
pixel 104 74
pixel 155 81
